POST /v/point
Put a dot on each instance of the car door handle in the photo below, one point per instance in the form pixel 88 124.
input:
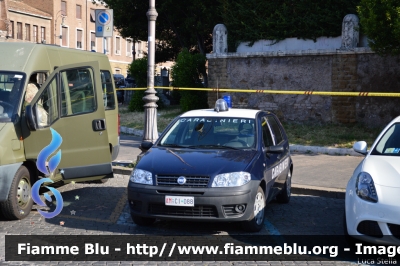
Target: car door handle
pixel 99 124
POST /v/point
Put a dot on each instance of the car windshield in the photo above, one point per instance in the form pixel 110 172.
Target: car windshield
pixel 211 132
pixel 11 87
pixel 389 144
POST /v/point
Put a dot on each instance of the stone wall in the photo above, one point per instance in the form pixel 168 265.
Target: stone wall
pixel 356 70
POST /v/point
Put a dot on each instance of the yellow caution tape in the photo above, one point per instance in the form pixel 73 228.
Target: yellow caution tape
pixel 321 93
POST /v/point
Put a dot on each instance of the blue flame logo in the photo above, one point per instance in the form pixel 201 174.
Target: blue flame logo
pixel 48 171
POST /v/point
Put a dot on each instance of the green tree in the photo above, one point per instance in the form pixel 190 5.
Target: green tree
pixel 185 73
pixel 180 24
pixel 138 70
pixel 253 20
pixel 380 21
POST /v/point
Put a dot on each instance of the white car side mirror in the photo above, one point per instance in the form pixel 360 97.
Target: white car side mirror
pixel 360 147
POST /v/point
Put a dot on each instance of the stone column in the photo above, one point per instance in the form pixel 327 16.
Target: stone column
pixel 350 32
pixel 220 39
pixel 150 107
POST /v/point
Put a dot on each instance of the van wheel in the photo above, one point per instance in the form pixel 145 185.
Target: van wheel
pixel 284 195
pixel 143 221
pixel 256 222
pixel 19 202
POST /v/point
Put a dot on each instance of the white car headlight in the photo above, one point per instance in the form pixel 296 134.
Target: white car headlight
pixel 234 179
pixel 365 187
pixel 141 177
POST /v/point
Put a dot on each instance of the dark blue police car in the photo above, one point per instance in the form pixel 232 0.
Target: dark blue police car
pixel 213 165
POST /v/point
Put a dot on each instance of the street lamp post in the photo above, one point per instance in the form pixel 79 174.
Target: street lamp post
pixel 55 27
pixel 150 107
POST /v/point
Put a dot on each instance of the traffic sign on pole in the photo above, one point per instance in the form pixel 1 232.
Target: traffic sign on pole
pixel 104 22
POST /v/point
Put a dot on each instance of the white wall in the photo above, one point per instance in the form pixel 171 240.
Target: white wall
pixel 290 44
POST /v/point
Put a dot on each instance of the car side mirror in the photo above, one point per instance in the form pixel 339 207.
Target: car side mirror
pixel 30 117
pixel 146 145
pixel 274 149
pixel 360 147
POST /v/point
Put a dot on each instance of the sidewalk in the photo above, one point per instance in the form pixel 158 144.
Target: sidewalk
pixel 318 171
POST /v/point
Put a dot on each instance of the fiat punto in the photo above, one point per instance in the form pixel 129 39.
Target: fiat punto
pixel 218 164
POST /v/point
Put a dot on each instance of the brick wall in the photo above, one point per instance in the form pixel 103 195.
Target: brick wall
pixel 334 71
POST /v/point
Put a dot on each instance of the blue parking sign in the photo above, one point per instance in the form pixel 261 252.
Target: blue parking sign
pixel 99 28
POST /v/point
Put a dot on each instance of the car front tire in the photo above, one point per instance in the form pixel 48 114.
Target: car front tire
pixel 256 222
pixel 284 195
pixel 19 202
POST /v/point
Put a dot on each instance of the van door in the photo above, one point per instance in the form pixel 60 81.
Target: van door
pixel 70 102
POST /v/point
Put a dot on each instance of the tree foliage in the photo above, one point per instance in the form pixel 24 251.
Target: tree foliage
pixel 180 24
pixel 380 21
pixel 185 73
pixel 138 70
pixel 253 20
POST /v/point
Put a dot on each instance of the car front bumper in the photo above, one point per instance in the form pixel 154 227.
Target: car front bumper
pixel 210 204
pixel 377 223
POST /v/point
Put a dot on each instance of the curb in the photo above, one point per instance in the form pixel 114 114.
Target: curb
pixel 323 150
pixel 336 193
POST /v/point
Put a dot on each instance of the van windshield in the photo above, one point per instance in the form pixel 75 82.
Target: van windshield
pixel 11 88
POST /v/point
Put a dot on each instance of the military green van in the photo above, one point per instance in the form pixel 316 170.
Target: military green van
pixel 76 98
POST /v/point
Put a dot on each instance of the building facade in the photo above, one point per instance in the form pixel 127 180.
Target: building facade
pixel 68 23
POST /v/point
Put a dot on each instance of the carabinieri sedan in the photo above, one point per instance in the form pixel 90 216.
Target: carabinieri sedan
pixel 373 192
pixel 213 165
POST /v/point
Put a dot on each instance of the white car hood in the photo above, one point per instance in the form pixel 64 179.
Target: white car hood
pixel 385 170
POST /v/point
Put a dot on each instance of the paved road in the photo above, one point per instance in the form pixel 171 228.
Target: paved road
pixel 101 209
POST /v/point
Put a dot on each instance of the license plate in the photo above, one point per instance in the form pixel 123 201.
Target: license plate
pixel 179 201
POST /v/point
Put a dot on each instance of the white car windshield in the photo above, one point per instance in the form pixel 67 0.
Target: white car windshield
pixel 10 94
pixel 211 132
pixel 389 144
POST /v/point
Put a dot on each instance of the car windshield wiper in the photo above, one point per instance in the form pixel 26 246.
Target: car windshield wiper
pixel 176 146
pixel 216 146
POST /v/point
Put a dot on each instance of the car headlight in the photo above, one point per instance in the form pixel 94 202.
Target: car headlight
pixel 365 187
pixel 234 179
pixel 141 177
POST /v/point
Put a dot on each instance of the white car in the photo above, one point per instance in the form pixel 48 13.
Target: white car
pixel 372 210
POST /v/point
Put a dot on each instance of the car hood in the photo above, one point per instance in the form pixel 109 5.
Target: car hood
pixel 168 161
pixel 385 170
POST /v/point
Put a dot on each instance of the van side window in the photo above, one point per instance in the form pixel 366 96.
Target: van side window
pixel 266 133
pixel 275 129
pixel 46 108
pixel 77 91
pixel 108 90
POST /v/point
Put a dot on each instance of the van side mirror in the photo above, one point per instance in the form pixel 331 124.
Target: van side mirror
pixel 360 147
pixel 274 149
pixel 30 117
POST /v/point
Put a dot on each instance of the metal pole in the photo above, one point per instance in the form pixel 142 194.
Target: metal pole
pixel 150 106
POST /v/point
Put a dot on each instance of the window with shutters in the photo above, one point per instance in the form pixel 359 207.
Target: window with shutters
pixel 27 32
pixel 79 39
pixel 35 33
pixel 78 11
pixel 64 36
pixel 43 34
pixel 63 8
pixel 93 41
